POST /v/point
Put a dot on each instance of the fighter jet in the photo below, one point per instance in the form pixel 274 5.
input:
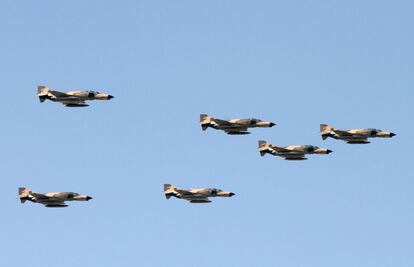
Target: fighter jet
pixel 290 152
pixel 51 200
pixel 234 126
pixel 354 136
pixel 71 98
pixel 194 195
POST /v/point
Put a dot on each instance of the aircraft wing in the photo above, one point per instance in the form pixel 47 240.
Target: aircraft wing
pixel 58 94
pixel 280 149
pixel 39 196
pixel 183 192
pixel 223 122
pixel 48 201
pixel 340 132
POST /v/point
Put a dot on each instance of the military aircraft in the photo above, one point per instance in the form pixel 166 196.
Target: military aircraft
pixel 72 98
pixel 354 136
pixel 194 195
pixel 290 152
pixel 234 126
pixel 50 200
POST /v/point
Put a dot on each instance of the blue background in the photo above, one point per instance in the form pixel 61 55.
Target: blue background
pixel 297 63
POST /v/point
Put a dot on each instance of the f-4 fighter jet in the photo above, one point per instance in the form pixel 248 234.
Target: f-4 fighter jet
pixel 354 136
pixel 290 152
pixel 71 98
pixel 194 195
pixel 234 126
pixel 51 200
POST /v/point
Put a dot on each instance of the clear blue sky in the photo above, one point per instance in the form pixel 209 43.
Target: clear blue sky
pixel 297 63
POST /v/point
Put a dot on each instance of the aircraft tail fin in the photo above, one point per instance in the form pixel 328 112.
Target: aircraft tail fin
pixel 24 194
pixel 169 190
pixel 263 147
pixel 42 93
pixel 325 130
pixel 205 121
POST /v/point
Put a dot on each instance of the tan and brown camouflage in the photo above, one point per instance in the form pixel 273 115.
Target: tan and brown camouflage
pixel 290 152
pixel 194 195
pixel 353 136
pixel 233 126
pixel 70 98
pixel 52 199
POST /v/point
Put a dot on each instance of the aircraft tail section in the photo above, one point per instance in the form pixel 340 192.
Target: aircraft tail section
pixel 263 147
pixel 326 130
pixel 205 121
pixel 24 194
pixel 169 190
pixel 42 93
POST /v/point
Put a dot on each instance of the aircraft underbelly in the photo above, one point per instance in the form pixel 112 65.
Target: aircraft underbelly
pixel 71 99
pixel 49 200
pixel 352 138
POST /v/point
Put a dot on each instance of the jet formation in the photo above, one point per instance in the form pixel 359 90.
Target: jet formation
pixel 70 98
pixel 290 152
pixel 353 136
pixel 233 126
pixel 194 195
pixel 52 199
pixel 230 127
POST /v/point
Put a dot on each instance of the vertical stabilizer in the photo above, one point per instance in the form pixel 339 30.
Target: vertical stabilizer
pixel 24 194
pixel 42 93
pixel 325 130
pixel 169 190
pixel 263 147
pixel 205 121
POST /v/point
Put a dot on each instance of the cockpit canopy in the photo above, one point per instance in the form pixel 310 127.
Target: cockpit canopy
pixel 72 194
pixel 310 148
pixel 92 94
pixel 373 131
pixel 214 191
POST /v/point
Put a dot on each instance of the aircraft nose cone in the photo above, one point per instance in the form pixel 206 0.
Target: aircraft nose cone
pixel 231 194
pixel 392 134
pixel 329 151
pixel 110 97
pixel 88 198
pixel 272 124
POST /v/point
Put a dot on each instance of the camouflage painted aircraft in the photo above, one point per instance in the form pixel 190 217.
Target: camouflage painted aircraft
pixel 72 98
pixel 290 152
pixel 194 195
pixel 354 136
pixel 234 126
pixel 51 200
